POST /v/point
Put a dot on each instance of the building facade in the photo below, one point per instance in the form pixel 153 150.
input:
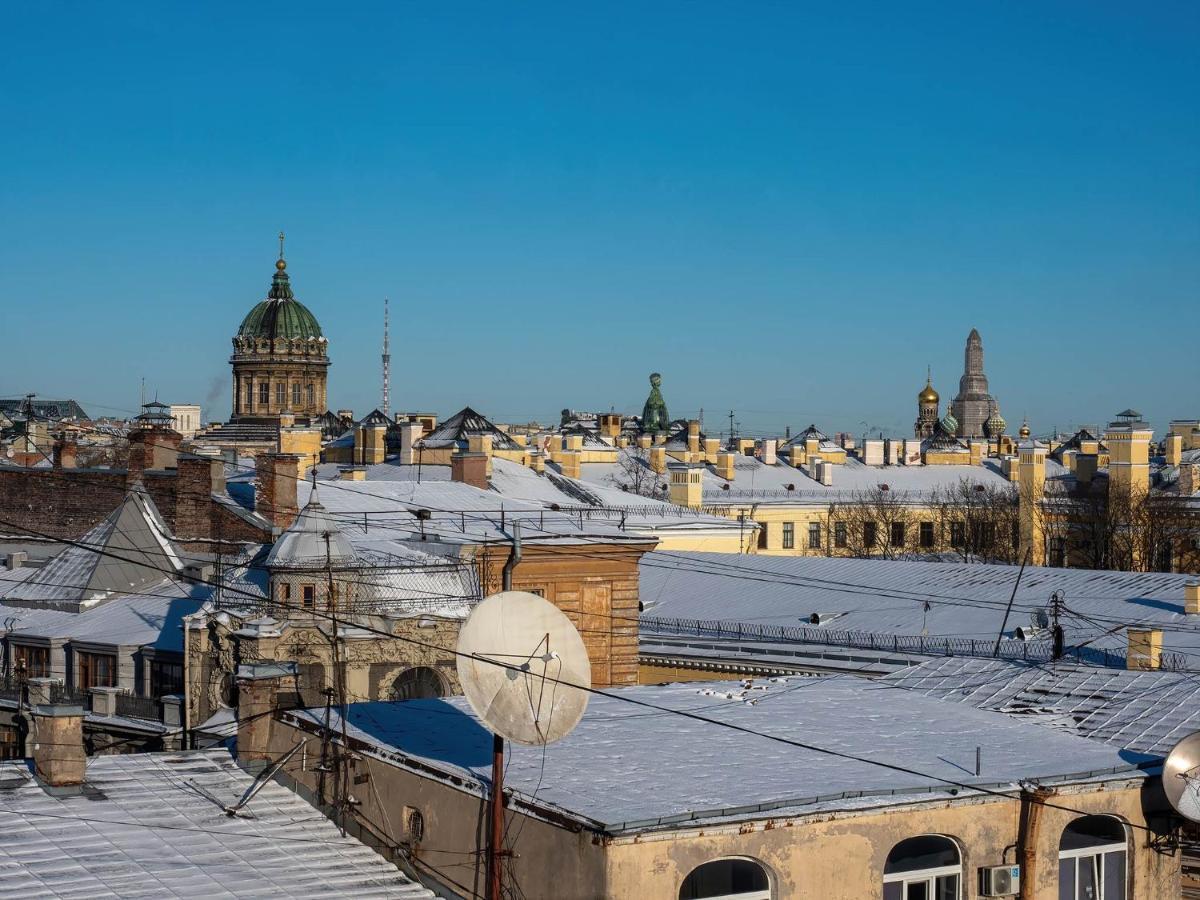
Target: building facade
pixel 280 358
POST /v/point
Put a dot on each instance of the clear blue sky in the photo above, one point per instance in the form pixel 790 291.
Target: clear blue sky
pixel 786 209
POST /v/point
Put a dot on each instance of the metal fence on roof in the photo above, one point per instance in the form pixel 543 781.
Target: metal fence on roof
pixel 921 645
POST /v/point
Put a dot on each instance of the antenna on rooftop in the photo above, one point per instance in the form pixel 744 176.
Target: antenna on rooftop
pixel 525 672
pixel 387 363
pixel 1181 777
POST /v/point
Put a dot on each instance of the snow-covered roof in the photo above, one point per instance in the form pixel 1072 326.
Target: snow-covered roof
pixel 152 825
pixel 931 600
pixel 152 618
pixel 456 430
pixel 757 482
pixel 313 540
pixel 601 773
pixel 1144 711
pixel 130 550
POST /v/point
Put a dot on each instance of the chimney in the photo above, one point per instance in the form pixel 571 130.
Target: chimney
pixel 693 437
pixel 610 425
pixel 658 459
pixel 1191 598
pixel 796 456
pixel 812 446
pixel 481 443
pixel 826 473
pixel 375 451
pixel 768 452
pixel 258 689
pixel 570 461
pixel 346 415
pixel 197 478
pixel 978 451
pixel 686 484
pixel 353 473
pixel 59 760
pixel 912 453
pixel 537 461
pixel 1085 467
pixel 725 463
pixel 873 453
pixel 1189 478
pixel 1174 449
pixel 1145 649
pixel 643 441
pixel 410 433
pixel 573 442
pixel 152 448
pixel 712 447
pixel 275 496
pixel 16 559
pixel 65 450
pixel 470 468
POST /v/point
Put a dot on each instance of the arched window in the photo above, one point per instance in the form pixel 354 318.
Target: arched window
pixel 923 868
pixel 727 879
pixel 418 683
pixel 1091 859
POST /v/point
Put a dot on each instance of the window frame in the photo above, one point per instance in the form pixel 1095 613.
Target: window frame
pixel 927 538
pixel 789 536
pixel 23 653
pixel 897 530
pixel 814 535
pixel 264 393
pixel 931 875
pixel 765 894
pixel 86 667
pixel 1099 853
pixel 840 537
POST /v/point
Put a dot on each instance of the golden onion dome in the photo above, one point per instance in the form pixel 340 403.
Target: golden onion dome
pixel 929 395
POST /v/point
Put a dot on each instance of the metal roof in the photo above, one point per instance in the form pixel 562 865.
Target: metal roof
pixel 152 825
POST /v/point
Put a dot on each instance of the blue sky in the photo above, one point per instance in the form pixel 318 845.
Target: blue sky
pixel 787 209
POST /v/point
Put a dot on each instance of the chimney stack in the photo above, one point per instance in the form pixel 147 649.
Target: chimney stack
pixel 59 760
pixel 470 468
pixel 65 450
pixel 768 452
pixel 1191 598
pixel 1145 649
pixel 275 496
pixel 258 689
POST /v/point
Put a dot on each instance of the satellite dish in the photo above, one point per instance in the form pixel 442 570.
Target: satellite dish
pixel 540 690
pixel 1181 777
pixel 1041 619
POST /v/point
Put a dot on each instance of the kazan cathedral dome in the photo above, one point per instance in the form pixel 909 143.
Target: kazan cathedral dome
pixel 280 358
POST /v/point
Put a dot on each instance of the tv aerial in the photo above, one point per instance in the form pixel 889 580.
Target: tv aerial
pixel 526 674
pixel 1041 619
pixel 1181 777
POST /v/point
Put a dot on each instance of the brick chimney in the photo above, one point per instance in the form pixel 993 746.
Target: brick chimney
pixel 258 696
pixel 197 479
pixel 1145 649
pixel 65 450
pixel 470 468
pixel 152 448
pixel 59 760
pixel 275 496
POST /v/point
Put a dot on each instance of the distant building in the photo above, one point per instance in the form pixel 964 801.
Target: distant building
pixel 185 418
pixel 973 405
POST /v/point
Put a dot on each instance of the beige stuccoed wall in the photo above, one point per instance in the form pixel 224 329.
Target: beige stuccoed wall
pixel 843 858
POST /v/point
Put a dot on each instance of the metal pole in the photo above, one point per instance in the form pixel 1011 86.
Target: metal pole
pixel 496 836
pixel 1008 609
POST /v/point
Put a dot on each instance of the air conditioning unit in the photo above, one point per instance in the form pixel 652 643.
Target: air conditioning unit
pixel 999 881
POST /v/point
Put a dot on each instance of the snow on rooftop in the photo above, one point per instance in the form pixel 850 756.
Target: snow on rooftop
pixel 1143 711
pixel 151 825
pixel 893 597
pixel 629 768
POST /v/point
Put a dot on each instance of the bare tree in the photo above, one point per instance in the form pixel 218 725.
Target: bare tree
pixel 876 522
pixel 634 474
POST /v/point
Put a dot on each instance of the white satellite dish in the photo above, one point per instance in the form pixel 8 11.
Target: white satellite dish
pixel 523 668
pixel 1181 777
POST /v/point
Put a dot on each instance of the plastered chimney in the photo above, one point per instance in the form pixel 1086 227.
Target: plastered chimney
pixel 59 760
pixel 768 452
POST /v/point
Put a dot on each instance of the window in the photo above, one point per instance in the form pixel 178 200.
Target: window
pixel 280 393
pixel 1091 860
pixel 309 595
pixel 927 534
pixel 839 534
pixel 762 536
pixel 729 879
pixel 264 393
pixel 789 535
pixel 96 670
pixel 295 394
pixel 814 535
pixel 1058 552
pixel 165 677
pixel 923 868
pixel 284 593
pixel 870 534
pixel 249 393
pixel 958 534
pixel 417 683
pixel 34 660
pixel 414 824
pixel 897 534
pixel 310 395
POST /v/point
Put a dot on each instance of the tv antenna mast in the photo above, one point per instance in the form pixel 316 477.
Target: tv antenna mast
pixel 387 364
pixel 525 672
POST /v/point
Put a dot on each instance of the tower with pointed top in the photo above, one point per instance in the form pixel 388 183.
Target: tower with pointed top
pixel 973 405
pixel 280 358
pixel 928 402
pixel 385 408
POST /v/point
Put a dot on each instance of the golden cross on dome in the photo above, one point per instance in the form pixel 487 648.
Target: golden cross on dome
pixel 281 245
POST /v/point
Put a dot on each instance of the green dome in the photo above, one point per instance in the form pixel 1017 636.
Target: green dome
pixel 281 315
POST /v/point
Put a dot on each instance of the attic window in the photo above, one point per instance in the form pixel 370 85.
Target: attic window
pixel 309 595
pixel 414 825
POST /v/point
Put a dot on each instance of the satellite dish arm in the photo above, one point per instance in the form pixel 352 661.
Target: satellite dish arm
pixel 514 556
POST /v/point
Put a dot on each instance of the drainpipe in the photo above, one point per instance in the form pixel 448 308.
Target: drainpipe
pixel 1032 802
pixel 514 556
pixel 187 685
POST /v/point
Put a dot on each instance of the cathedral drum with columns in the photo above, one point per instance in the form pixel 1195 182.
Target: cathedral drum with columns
pixel 280 358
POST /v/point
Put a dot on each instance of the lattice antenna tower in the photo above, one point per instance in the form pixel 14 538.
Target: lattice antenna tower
pixel 387 364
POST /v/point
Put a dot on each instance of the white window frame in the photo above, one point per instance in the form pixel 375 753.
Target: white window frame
pixel 765 894
pixel 1100 851
pixel 929 876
